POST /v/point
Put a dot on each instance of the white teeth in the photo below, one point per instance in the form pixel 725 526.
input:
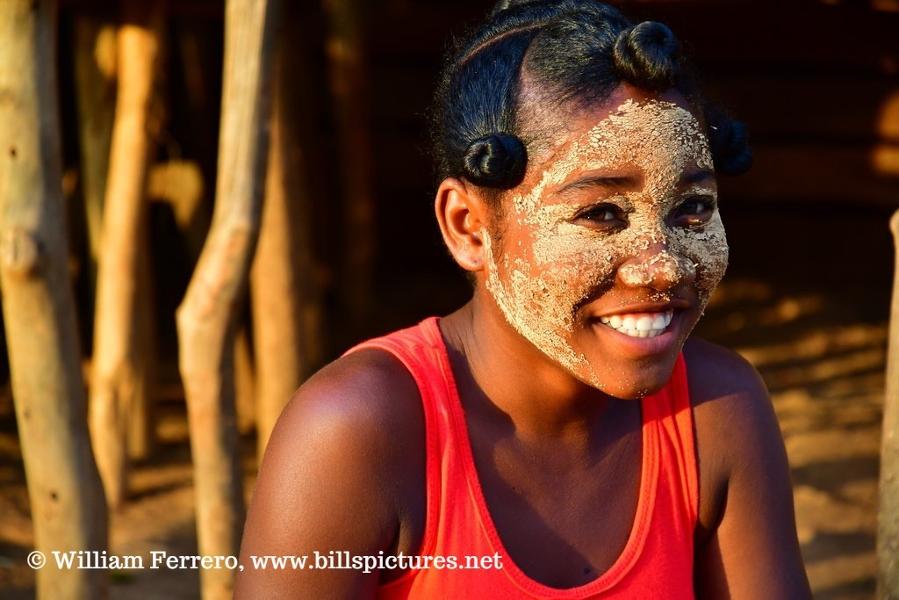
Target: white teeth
pixel 642 325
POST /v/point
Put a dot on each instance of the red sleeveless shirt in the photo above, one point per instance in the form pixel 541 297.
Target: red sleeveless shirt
pixel 657 560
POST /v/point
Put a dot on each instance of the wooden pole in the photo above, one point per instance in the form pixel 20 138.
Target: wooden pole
pixel 140 434
pixel 206 317
pixel 345 49
pixel 95 79
pixel 244 379
pixel 888 517
pixel 119 381
pixel 286 307
pixel 64 488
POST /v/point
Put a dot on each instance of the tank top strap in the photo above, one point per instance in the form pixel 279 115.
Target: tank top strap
pixel 672 412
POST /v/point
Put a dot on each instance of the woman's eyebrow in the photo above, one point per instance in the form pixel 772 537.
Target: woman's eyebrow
pixel 588 181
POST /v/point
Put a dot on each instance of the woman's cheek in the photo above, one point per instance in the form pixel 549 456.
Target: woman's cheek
pixel 528 292
pixel 709 251
pixel 582 258
pixel 545 277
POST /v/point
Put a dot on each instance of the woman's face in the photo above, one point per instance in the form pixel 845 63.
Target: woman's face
pixel 612 245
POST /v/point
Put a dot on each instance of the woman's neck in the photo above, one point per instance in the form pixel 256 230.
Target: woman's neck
pixel 540 398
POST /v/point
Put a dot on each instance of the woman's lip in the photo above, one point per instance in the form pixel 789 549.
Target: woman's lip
pixel 649 307
pixel 636 347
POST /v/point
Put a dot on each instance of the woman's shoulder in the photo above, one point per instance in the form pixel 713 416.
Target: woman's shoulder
pixel 745 498
pixel 359 417
pixel 716 372
pixel 730 399
pixel 728 394
pixel 356 424
pixel 735 425
pixel 367 394
pixel 345 450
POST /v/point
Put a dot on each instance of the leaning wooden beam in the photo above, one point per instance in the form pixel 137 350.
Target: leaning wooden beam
pixel 38 307
pixel 206 317
pixel 888 518
pixel 118 377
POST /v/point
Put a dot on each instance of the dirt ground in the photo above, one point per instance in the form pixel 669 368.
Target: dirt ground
pixel 820 345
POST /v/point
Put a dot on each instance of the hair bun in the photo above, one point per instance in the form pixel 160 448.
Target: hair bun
pixel 497 160
pixel 647 55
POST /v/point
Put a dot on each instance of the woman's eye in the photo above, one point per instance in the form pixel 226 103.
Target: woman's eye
pixel 694 211
pixel 604 214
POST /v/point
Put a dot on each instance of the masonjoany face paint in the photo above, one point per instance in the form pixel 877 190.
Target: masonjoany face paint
pixel 559 262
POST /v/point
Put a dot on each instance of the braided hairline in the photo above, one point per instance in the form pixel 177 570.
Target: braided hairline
pixel 498 38
pixel 515 30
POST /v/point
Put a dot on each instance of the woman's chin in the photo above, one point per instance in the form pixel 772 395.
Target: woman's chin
pixel 629 379
pixel 631 367
pixel 638 392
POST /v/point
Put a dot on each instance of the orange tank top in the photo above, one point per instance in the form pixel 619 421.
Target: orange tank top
pixel 657 560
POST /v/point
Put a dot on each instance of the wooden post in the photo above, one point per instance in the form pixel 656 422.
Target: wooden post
pixel 286 306
pixel 206 317
pixel 64 488
pixel 244 380
pixel 119 380
pixel 888 517
pixel 140 434
pixel 348 88
pixel 95 78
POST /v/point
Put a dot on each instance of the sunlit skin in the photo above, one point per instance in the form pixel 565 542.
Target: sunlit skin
pixel 556 443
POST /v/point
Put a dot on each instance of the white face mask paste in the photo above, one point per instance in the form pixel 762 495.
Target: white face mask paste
pixel 538 286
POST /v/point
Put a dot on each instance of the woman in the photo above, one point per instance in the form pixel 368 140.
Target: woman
pixel 560 428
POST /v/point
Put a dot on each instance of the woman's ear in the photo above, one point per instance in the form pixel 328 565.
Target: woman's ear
pixel 462 214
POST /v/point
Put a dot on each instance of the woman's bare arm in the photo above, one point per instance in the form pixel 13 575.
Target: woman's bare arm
pixel 329 480
pixel 751 548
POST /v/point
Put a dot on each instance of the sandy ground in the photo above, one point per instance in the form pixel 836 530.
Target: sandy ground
pixel 822 358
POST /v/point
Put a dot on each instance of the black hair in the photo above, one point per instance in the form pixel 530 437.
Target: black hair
pixel 575 50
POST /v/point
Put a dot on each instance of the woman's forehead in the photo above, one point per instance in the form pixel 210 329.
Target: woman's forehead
pixel 639 132
pixel 655 140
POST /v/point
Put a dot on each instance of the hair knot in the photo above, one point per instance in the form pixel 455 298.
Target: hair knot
pixel 647 54
pixel 497 161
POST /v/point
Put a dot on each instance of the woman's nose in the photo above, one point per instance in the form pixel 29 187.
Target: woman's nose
pixel 657 267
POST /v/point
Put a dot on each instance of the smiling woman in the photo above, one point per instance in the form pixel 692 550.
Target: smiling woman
pixel 561 421
pixel 655 226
